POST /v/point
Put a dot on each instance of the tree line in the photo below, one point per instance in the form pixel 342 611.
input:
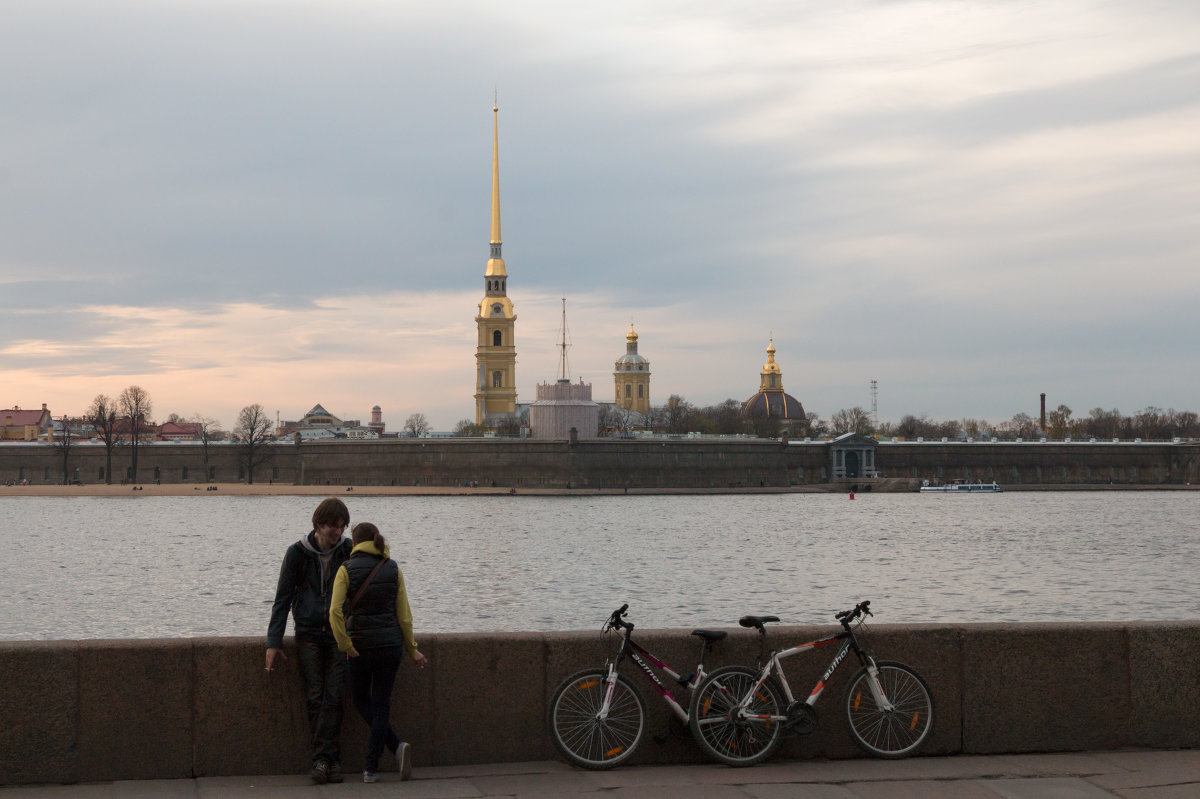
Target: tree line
pixel 125 421
pixel 678 416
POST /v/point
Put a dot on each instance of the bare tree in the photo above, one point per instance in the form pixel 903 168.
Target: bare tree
pixel 678 414
pixel 209 430
pixel 62 446
pixel 252 434
pixel 103 417
pixel 466 427
pixel 416 425
pixel 1058 421
pixel 852 420
pixel 135 405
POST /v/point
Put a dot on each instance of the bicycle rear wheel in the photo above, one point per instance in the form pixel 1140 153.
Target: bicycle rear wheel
pixel 577 729
pixel 890 733
pixel 737 738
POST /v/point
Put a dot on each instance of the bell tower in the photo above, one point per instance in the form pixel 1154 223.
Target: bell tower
pixel 496 353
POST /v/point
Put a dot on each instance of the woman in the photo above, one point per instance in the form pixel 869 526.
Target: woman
pixel 372 623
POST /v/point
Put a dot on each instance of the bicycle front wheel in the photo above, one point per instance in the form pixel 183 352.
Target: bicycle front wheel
pixel 727 731
pixel 581 735
pixel 902 729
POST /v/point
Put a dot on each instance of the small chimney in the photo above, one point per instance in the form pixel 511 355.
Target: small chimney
pixel 1043 410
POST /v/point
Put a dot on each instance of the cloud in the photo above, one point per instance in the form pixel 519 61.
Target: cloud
pixel 288 203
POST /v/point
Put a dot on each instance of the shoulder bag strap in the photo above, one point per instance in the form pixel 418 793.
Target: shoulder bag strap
pixel 362 588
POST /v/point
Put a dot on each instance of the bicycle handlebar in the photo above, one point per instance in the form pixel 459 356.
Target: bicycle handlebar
pixel 861 609
pixel 615 621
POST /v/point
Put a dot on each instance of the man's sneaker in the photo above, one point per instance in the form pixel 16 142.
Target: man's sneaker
pixel 370 776
pixel 335 773
pixel 320 772
pixel 404 760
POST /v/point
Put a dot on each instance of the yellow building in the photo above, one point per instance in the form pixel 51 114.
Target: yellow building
pixel 632 377
pixel 496 353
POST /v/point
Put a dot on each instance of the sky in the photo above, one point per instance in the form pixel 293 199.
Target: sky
pixel 288 202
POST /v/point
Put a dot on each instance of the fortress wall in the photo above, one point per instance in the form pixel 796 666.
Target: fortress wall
pixel 614 463
pixel 145 709
pixel 1035 463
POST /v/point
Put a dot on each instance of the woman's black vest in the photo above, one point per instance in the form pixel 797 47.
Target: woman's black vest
pixel 374 621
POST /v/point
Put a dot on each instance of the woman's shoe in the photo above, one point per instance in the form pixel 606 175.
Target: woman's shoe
pixel 370 776
pixel 404 760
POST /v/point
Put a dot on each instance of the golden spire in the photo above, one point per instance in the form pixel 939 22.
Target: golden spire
pixel 631 336
pixel 770 367
pixel 495 264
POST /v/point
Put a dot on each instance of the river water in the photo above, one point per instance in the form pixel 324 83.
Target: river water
pixel 146 567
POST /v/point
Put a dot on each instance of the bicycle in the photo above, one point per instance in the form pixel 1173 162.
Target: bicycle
pixel 597 717
pixel 738 715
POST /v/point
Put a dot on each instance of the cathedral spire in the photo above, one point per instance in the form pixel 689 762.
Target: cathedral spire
pixel 495 265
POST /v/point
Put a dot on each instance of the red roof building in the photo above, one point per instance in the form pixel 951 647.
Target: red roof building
pixel 19 425
pixel 179 431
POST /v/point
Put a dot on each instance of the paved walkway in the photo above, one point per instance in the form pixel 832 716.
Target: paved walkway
pixel 1158 774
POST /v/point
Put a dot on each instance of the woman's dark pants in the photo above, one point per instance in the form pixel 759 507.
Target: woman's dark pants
pixel 372 676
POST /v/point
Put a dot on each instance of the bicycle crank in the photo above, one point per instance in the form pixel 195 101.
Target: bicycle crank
pixel 801 718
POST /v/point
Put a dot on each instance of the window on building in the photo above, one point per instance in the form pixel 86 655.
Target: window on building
pixel 496 338
pixel 183 473
pixel 772 381
pixel 100 476
pixel 628 391
pixel 640 391
pixel 497 379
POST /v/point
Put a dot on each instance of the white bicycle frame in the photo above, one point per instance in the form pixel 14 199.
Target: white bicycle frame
pixel 774 664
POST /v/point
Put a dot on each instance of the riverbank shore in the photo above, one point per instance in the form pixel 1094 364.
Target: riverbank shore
pixel 284 490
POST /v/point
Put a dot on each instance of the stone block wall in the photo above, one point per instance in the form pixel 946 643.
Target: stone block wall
pixel 82 711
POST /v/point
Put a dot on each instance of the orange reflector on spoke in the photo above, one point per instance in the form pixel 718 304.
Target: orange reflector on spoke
pixel 616 750
pixel 857 700
pixel 583 686
pixel 707 705
pixel 913 726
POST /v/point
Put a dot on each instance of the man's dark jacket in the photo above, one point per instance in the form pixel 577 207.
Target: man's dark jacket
pixel 305 589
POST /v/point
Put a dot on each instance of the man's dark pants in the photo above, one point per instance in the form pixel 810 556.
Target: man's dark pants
pixel 323 671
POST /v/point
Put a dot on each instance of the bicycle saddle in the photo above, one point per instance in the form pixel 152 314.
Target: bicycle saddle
pixel 710 635
pixel 756 621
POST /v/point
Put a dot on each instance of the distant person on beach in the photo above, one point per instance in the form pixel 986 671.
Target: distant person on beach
pixel 372 622
pixel 305 587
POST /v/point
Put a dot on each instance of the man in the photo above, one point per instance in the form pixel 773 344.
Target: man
pixel 306 587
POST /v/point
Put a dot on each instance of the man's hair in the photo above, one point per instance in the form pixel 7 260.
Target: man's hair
pixel 331 511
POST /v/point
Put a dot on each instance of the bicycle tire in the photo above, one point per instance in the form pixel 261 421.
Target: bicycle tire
pixel 896 733
pixel 577 731
pixel 729 740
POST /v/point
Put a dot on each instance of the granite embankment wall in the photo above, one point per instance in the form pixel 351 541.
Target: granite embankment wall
pixel 146 709
pixel 611 463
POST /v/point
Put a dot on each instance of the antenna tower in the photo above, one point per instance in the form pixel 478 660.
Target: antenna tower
pixel 563 345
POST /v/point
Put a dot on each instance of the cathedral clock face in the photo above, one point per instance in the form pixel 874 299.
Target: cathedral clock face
pixel 497 310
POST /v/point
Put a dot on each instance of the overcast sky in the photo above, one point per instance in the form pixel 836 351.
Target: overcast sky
pixel 287 202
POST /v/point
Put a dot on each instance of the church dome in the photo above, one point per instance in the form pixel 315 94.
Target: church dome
pixel 771 400
pixel 631 361
pixel 775 404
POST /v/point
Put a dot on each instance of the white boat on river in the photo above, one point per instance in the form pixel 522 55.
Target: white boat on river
pixel 963 488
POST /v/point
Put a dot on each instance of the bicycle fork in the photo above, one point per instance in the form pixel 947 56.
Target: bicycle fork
pixel 881 700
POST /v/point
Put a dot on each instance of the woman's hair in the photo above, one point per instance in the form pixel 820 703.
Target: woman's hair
pixel 365 531
pixel 331 511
